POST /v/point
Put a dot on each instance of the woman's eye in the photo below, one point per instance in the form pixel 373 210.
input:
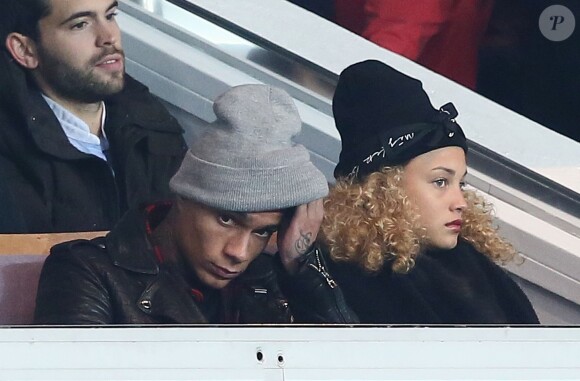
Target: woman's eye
pixel 226 220
pixel 462 185
pixel 440 183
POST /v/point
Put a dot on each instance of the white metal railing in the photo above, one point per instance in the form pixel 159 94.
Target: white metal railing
pixel 294 353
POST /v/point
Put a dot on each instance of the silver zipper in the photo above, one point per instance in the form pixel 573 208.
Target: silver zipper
pixel 320 268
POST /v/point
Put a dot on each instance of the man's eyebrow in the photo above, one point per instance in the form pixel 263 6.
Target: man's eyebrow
pixel 270 228
pixel 77 15
pixel 240 216
pixel 114 4
pixel 243 218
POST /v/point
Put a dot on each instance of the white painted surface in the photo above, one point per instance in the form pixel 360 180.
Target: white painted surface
pixel 327 353
pixel 563 175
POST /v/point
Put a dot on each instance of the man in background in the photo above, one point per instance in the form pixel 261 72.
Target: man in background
pixel 80 141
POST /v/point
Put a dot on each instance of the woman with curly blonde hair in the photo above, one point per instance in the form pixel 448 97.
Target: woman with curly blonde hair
pixel 406 241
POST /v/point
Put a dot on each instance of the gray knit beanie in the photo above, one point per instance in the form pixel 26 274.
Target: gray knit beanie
pixel 247 161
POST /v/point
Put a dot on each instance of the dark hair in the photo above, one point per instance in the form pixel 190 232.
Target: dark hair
pixel 22 16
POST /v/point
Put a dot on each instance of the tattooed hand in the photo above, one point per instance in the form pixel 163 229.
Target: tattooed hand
pixel 298 233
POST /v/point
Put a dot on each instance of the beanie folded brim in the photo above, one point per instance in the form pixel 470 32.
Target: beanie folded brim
pixel 271 187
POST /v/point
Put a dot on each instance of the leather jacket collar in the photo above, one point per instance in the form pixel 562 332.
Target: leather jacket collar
pixel 128 244
pixel 166 296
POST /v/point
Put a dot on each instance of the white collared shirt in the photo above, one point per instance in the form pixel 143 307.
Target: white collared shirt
pixel 78 132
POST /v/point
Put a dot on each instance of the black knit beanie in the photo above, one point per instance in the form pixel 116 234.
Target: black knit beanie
pixel 384 117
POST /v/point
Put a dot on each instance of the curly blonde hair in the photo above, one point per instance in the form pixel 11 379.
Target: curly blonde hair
pixel 371 222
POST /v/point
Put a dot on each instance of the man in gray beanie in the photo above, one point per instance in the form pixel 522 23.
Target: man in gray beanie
pixel 198 259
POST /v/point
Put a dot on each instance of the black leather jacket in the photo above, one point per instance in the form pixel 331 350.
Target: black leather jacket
pixel 118 280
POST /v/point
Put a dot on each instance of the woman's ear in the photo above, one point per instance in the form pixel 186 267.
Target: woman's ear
pixel 23 50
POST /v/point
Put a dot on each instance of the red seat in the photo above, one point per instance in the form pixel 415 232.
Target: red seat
pixel 21 259
pixel 18 282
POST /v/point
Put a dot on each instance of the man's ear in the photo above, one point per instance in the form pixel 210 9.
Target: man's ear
pixel 23 50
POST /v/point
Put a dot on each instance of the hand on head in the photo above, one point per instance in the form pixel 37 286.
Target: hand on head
pixel 298 233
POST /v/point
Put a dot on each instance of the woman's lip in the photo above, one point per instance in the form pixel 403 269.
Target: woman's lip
pixel 454 225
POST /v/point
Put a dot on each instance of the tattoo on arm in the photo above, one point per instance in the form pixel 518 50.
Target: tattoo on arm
pixel 303 243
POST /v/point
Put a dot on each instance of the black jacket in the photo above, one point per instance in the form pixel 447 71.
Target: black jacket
pixel 118 280
pixel 458 286
pixel 56 188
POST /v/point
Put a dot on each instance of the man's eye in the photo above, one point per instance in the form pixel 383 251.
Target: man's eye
pixel 263 233
pixel 111 16
pixel 79 25
pixel 226 220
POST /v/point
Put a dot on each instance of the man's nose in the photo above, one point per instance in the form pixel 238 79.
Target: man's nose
pixel 108 33
pixel 237 247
